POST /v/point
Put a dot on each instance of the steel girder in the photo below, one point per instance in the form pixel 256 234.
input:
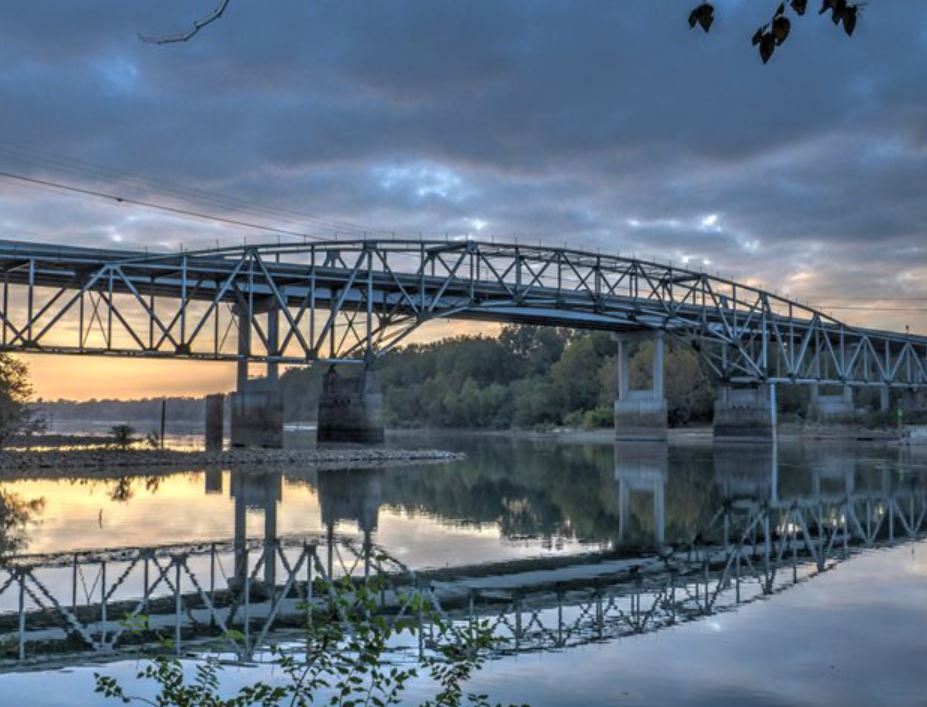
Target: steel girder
pixel 353 300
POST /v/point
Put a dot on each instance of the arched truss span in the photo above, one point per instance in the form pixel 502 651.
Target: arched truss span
pixel 354 300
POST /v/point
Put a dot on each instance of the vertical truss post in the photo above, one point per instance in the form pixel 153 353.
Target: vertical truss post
pixel 145 583
pixel 184 284
pixel 309 551
pixel 244 344
pixel 312 341
pixel 6 306
pixel 368 354
pixel 151 313
pixel 109 309
pixel 273 340
pixel 103 616
pixel 31 301
pixel 212 583
pixel 178 605
pixel 22 614
pixel 80 324
pixel 74 585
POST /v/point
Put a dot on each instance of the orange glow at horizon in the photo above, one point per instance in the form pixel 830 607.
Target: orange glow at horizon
pixel 74 377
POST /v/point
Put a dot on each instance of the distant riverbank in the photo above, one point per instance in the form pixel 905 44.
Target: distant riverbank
pixel 684 435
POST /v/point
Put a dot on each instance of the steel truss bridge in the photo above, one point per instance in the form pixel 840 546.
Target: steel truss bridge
pixel 58 606
pixel 349 301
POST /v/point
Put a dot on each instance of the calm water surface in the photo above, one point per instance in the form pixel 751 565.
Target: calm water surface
pixel 854 634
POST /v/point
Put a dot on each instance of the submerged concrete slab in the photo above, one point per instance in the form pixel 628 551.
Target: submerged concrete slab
pixel 350 406
pixel 744 415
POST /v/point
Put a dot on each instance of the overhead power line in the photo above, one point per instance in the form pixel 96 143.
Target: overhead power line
pixel 153 205
pixel 37 160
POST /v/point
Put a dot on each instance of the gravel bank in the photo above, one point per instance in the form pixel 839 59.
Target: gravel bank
pixel 12 462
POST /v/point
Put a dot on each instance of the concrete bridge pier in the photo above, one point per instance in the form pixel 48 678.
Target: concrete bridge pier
pixel 215 409
pixel 745 414
pixel 350 406
pixel 640 415
pixel 257 403
pixel 831 405
pixel 913 401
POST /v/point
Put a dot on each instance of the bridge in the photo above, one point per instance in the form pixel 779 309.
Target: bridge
pixel 349 302
pixel 241 594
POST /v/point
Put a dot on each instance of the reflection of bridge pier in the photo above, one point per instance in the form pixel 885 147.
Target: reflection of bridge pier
pixel 837 478
pixel 641 468
pixel 256 491
pixel 354 496
pixel 747 472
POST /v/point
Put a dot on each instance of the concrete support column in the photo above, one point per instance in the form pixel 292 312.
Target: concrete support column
pixel 244 346
pixel 257 415
pixel 640 415
pixel 257 405
pixel 745 414
pixel 913 401
pixel 215 412
pixel 884 400
pixel 350 406
pixel 839 405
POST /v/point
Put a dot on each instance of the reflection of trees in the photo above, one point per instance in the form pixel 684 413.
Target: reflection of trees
pixel 15 514
pixel 122 489
pixel 553 492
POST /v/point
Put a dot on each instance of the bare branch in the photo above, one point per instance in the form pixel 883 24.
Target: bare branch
pixel 184 36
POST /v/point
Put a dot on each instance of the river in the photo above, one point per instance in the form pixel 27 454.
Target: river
pixel 843 626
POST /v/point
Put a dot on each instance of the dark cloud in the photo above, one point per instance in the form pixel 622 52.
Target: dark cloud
pixel 597 123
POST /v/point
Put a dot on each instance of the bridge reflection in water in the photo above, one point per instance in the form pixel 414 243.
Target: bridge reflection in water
pixel 760 538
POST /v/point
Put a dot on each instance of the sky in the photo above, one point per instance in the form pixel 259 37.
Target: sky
pixel 602 124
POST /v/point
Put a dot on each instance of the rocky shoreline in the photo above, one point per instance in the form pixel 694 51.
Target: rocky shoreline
pixel 159 461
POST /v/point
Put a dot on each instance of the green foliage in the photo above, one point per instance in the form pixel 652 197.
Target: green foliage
pixel 16 417
pixel 530 377
pixel 15 514
pixel 343 662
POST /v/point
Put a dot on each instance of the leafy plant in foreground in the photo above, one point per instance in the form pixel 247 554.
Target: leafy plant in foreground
pixel 343 661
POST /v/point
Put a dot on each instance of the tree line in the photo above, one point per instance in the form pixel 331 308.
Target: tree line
pixel 530 377
pixel 527 377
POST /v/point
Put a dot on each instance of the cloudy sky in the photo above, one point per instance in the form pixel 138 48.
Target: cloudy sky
pixel 605 124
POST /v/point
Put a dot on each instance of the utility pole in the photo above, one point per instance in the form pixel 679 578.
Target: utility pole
pixel 163 418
